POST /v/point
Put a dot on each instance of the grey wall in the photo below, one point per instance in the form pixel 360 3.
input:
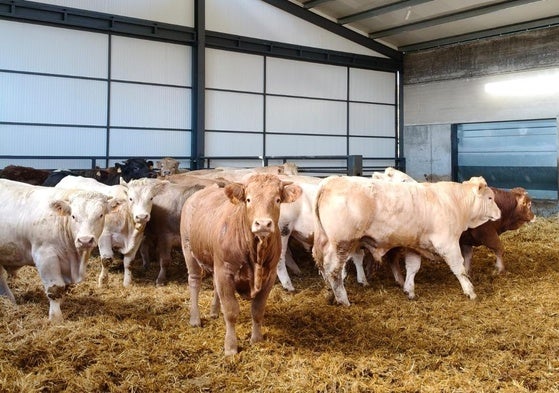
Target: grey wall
pixel 446 86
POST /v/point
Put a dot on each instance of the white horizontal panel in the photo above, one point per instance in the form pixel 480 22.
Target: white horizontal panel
pixel 45 99
pixel 234 71
pixel 255 18
pixel 300 78
pixel 372 147
pixel 51 141
pixel 303 145
pixel 372 86
pixel 285 114
pixel 233 144
pixel 235 163
pixel 142 143
pixel 135 105
pixel 179 12
pixel 150 61
pixel 234 111
pixel 37 48
pixel 50 163
pixel 372 120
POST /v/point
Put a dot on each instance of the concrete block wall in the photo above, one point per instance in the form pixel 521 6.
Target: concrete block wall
pixel 446 86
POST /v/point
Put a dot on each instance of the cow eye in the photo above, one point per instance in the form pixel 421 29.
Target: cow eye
pixel 73 217
pixel 130 199
pixel 278 200
pixel 248 200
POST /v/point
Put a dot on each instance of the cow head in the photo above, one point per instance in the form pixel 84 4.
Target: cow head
pixel 262 195
pixel 167 166
pixel 484 207
pixel 140 194
pixel 86 211
pixel 523 211
pixel 136 168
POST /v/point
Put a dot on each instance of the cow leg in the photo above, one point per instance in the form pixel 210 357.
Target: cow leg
pixel 48 266
pixel 194 283
pixel 453 258
pixel 282 270
pixel 413 263
pixel 357 258
pixel 4 288
pixel 106 253
pixel 225 286
pixel 467 254
pixel 258 306
pixel 291 264
pixel 145 248
pixel 216 304
pixel 333 268
pixel 129 257
pixel 393 259
pixel 164 251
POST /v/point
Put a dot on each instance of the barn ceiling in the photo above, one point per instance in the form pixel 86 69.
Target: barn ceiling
pixel 412 25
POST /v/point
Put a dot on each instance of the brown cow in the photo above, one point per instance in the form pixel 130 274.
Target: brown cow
pixel 233 232
pixel 25 174
pixel 167 166
pixel 516 210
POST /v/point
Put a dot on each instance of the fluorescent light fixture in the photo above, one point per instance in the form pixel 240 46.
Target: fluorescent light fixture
pixel 528 86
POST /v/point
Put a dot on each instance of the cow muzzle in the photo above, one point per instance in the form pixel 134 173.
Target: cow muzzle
pixel 262 227
pixel 86 242
pixel 141 218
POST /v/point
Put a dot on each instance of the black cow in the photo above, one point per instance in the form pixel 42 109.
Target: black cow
pixel 132 168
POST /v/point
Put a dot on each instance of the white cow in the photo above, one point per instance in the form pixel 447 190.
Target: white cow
pixel 52 229
pixel 297 220
pixel 426 217
pixel 124 228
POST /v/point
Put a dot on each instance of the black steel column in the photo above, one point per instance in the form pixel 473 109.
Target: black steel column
pixel 198 86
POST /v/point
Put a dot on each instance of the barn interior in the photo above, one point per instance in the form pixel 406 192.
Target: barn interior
pixel 440 89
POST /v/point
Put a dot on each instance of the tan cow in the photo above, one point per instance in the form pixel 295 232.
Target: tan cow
pixel 167 166
pixel 425 217
pixel 238 174
pixel 233 232
pixel 124 228
pixel 52 229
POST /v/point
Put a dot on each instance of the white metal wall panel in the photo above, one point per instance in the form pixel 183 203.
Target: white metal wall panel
pixel 61 141
pixel 299 78
pixel 234 111
pixel 150 61
pixel 36 48
pixel 372 147
pixel 372 120
pixel 234 71
pixel 179 12
pixel 289 145
pixel 298 115
pixel 41 99
pixel 233 144
pixel 145 143
pixel 372 86
pixel 254 18
pixel 134 105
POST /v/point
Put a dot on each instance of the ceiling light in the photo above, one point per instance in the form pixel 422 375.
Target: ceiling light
pixel 527 86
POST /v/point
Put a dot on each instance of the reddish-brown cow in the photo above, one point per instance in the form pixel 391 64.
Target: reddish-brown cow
pixel 25 174
pixel 233 232
pixel 516 210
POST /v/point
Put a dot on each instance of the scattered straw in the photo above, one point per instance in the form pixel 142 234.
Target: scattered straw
pixel 138 339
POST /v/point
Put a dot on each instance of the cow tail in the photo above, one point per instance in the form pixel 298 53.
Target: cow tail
pixel 320 237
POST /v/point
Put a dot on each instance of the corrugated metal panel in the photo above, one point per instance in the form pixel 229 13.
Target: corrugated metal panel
pixel 511 154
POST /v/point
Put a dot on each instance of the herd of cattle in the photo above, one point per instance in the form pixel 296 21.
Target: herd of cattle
pixel 236 224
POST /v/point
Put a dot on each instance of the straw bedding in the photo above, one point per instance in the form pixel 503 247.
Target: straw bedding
pixel 138 339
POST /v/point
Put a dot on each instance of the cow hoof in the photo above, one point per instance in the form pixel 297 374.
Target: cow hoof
pixel 231 352
pixel 472 296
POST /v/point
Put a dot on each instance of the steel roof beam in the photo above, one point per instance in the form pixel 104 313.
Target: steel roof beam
pixel 422 24
pixel 476 35
pixel 372 12
pixel 314 3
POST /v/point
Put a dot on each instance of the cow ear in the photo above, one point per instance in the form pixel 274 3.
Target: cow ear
pixel 235 192
pixel 290 192
pixel 123 182
pixel 62 208
pixel 114 203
